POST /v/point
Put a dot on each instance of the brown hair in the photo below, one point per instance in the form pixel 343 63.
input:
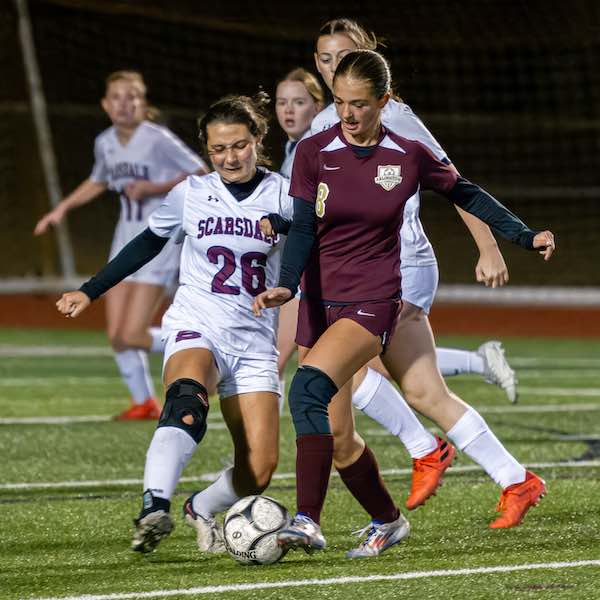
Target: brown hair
pixel 310 82
pixel 240 110
pixel 369 66
pixel 363 39
pixel 137 79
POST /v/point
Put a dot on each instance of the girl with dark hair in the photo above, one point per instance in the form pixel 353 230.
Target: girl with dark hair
pixel 209 330
pixel 350 184
pixel 141 161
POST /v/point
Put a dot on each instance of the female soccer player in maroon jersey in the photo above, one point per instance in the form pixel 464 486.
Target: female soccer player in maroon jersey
pixel 350 184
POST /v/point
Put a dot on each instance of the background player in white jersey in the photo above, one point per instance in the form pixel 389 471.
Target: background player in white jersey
pixel 141 161
pixel 210 330
pixel 298 99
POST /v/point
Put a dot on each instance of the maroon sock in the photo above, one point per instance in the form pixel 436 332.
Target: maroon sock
pixel 313 467
pixel 363 480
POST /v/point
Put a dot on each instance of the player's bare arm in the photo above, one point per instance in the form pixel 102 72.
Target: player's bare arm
pixel 490 268
pixel 84 193
pixel 141 189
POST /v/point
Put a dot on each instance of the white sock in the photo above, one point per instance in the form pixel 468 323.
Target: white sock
pixel 381 401
pixel 281 394
pixel 133 365
pixel 472 435
pixel 157 345
pixel 458 362
pixel 217 497
pixel 169 452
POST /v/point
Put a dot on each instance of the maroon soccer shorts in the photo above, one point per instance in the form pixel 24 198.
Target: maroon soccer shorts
pixel 314 317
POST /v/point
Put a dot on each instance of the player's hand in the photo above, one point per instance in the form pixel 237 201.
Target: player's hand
pixel 72 304
pixel 266 228
pixel 53 218
pixel 271 298
pixel 545 240
pixel 139 190
pixel 491 268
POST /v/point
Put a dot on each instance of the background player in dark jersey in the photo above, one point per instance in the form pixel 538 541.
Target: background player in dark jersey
pixel 350 184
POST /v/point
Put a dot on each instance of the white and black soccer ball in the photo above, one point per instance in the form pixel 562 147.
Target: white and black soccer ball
pixel 250 530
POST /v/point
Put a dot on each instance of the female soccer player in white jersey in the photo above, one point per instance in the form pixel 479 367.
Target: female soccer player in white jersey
pixel 141 161
pixel 348 250
pixel 298 99
pixel 210 330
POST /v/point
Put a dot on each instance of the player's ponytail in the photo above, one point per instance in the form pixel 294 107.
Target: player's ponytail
pixel 240 110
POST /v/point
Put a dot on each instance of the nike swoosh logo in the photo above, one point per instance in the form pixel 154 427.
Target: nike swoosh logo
pixel 364 314
pixel 331 168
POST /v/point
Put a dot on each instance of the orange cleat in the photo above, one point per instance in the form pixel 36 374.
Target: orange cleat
pixel 148 411
pixel 517 499
pixel 427 473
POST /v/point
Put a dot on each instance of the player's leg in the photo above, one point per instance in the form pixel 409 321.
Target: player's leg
pixel 181 427
pixel 130 361
pixel 411 360
pixel 286 340
pixel 249 391
pixel 358 469
pixel 143 302
pixel 379 399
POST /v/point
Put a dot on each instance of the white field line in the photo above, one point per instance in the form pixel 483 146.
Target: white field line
pixel 210 477
pixel 215 422
pixel 559 391
pixel 357 579
pixel 67 420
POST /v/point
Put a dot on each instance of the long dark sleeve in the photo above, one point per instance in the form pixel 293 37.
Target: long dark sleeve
pixel 139 251
pixel 298 245
pixel 478 202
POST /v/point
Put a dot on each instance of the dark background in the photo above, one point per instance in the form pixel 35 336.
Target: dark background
pixel 511 89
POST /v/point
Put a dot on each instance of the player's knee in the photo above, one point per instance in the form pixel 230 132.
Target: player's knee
pixel 186 407
pixel 116 341
pixel 311 392
pixel 133 339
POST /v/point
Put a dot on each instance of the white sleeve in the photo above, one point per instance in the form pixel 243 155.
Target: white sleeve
pixel 176 154
pixel 167 219
pixel 286 202
pixel 405 123
pixel 99 170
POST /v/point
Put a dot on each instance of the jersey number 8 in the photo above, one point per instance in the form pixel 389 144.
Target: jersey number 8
pixel 322 193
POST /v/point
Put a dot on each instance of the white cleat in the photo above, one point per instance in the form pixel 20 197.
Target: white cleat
pixel 303 533
pixel 497 370
pixel 150 530
pixel 209 534
pixel 380 537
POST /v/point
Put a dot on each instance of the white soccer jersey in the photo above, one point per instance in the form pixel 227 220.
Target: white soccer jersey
pixel 288 159
pixel 155 154
pixel 225 261
pixel 398 117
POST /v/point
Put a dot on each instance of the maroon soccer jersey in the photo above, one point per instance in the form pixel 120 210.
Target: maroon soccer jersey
pixel 359 202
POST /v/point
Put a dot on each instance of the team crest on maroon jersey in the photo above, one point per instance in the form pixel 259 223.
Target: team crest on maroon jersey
pixel 388 176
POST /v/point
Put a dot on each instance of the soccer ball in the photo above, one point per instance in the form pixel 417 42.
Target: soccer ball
pixel 250 530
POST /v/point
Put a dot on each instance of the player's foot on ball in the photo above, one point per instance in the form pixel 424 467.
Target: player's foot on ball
pixel 380 537
pixel 497 370
pixel 517 499
pixel 149 410
pixel 150 529
pixel 427 473
pixel 209 535
pixel 303 533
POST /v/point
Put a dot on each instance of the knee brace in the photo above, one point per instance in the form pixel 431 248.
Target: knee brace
pixel 186 398
pixel 310 394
